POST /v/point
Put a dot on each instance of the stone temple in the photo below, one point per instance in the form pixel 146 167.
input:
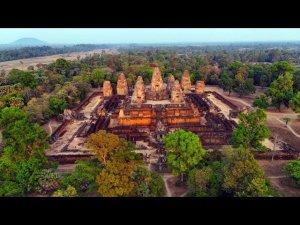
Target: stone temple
pixel 139 91
pixel 186 81
pixel 122 87
pixel 158 89
pixel 145 113
pixel 199 87
pixel 107 89
pixel 167 107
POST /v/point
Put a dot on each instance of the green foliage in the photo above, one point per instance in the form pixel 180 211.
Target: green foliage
pixel 259 74
pixel 281 90
pixel 23 77
pixel 227 83
pixel 38 110
pixel 293 170
pixel 84 176
pixel 296 80
pixel 57 105
pixel 295 102
pixel 8 165
pixel 235 174
pixel 27 173
pixel 10 115
pixel 261 101
pixel 245 87
pixel 207 181
pixel 251 130
pixel 69 192
pixel 97 77
pixel 10 189
pixel 184 151
pixel 286 120
pixel 47 181
pixel 242 175
pixel 243 84
pixel 27 138
pixel 62 66
pixel 280 68
pixel 148 184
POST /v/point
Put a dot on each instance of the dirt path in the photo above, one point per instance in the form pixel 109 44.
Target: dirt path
pixel 289 127
pixel 50 128
pixel 166 178
pixel 278 179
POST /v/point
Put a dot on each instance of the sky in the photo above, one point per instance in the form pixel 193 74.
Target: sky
pixel 147 35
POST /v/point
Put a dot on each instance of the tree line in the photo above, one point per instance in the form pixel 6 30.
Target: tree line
pixel 30 52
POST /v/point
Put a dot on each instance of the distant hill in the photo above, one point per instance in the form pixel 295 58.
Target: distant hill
pixel 28 42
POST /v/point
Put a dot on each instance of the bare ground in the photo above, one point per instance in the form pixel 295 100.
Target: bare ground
pixel 284 133
pixel 278 179
pixel 51 126
pixel 172 188
pixel 295 125
pixel 8 65
pixel 65 168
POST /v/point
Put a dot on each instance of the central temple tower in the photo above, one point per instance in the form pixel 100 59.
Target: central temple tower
pixel 158 90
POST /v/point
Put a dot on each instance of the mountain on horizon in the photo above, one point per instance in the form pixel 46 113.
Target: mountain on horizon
pixel 28 42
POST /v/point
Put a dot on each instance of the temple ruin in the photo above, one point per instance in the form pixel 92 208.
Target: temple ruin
pixel 158 89
pixel 122 87
pixel 145 114
pixel 139 91
pixel 186 82
pixel 199 87
pixel 107 89
pixel 177 93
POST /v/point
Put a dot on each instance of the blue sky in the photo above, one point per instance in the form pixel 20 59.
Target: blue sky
pixel 153 35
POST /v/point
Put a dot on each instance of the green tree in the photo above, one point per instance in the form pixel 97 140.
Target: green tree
pixel 57 105
pixel 25 78
pixel 62 66
pixel 243 84
pixel 10 115
pixel 281 90
pixel 251 130
pixel 227 83
pixel 256 72
pixel 207 181
pixel 295 102
pixel 27 173
pixel 83 179
pixel 286 120
pixel 243 177
pixel 184 151
pixel 97 77
pixel 27 139
pixel 296 80
pixel 261 101
pixel 148 183
pixel 11 189
pixel 38 110
pixel 293 170
pixel 280 68
pixel 68 192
